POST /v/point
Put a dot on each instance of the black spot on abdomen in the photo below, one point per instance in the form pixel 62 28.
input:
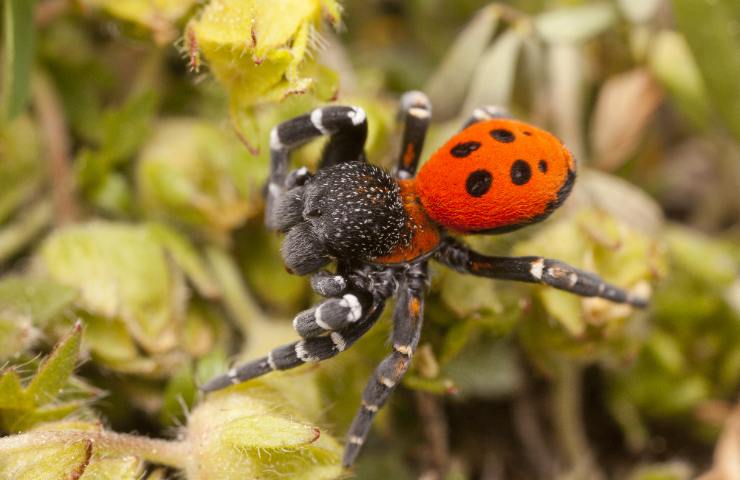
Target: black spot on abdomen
pixel 520 172
pixel 542 165
pixel 502 135
pixel 462 150
pixel 478 183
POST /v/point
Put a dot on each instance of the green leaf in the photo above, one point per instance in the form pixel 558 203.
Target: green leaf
pixel 673 65
pixel 269 432
pixel 576 24
pixel 448 85
pixel 639 11
pixel 22 166
pixel 56 369
pixel 102 467
pixel 16 235
pixel 714 38
pixel 486 368
pixel 12 396
pixel 493 80
pixel 122 131
pixel 39 298
pixel 18 56
pixel 106 262
pixel 179 394
pixel 187 258
pixel 46 461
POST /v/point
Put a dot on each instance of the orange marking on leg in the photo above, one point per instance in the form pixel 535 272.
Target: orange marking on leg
pixel 408 155
pixel 414 306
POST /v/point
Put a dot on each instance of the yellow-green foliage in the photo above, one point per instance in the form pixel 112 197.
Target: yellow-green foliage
pixel 259 48
pixel 133 151
pixel 200 175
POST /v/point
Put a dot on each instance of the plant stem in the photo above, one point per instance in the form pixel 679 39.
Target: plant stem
pixel 239 302
pixel 569 423
pixel 56 135
pixel 165 452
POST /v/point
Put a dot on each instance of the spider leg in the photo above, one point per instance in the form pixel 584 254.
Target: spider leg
pixel 347 127
pixel 295 354
pixel 415 112
pixel 533 270
pixel 407 322
pixel 489 112
pixel 302 251
pixel 349 299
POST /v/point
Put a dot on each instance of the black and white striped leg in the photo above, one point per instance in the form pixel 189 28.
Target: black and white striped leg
pixel 415 112
pixel 407 321
pixel 351 296
pixel 329 284
pixel 331 315
pixel 489 112
pixel 304 351
pixel 534 270
pixel 347 127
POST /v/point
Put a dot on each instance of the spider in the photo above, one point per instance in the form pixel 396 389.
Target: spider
pixel 496 175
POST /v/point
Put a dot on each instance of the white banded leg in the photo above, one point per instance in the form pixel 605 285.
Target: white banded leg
pixel 488 112
pixel 347 127
pixel 534 270
pixel 407 322
pixel 328 284
pixel 295 354
pixel 330 315
pixel 415 112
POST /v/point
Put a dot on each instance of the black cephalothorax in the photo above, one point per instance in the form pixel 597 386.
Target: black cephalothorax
pixel 372 225
pixel 348 210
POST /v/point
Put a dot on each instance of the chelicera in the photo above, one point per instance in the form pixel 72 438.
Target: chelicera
pixel 381 230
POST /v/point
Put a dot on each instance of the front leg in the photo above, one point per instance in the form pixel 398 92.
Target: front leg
pixel 533 270
pixel 347 128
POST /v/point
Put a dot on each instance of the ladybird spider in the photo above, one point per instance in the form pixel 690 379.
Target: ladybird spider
pixel 494 176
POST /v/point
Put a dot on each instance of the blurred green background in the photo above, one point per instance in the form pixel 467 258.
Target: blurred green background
pixel 133 150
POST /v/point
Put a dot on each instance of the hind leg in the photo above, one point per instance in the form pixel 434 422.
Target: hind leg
pixel 415 112
pixel 489 112
pixel 407 321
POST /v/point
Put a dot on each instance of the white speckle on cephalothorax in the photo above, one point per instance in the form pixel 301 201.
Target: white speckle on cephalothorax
pixel 363 214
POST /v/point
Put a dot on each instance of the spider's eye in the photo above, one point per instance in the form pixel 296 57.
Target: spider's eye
pixel 478 183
